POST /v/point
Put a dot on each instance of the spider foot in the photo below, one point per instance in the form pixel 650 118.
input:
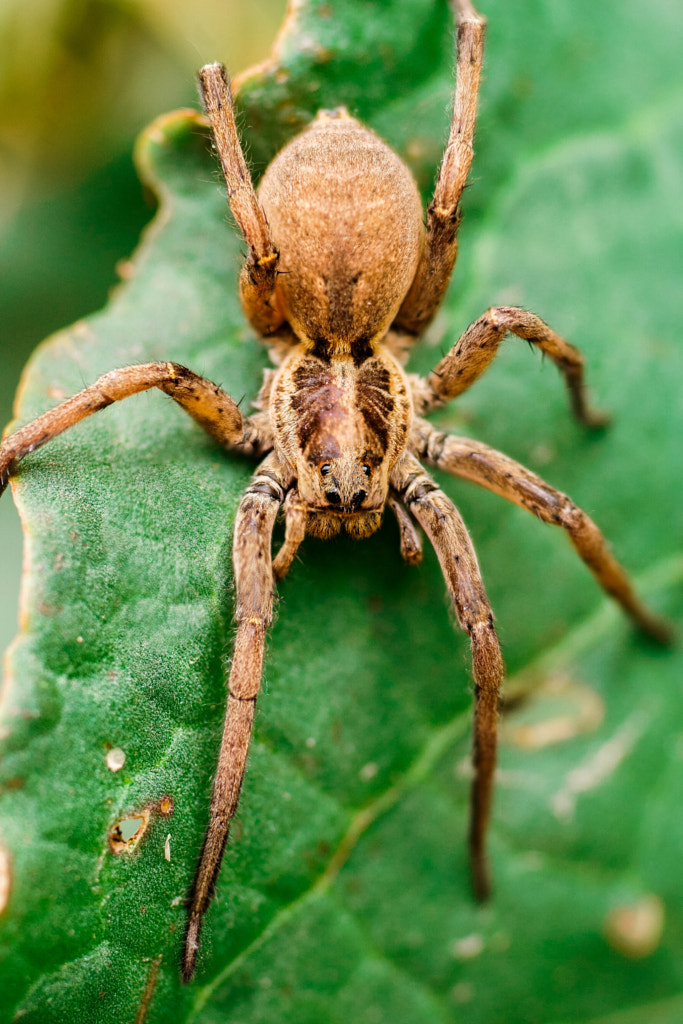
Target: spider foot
pixel 657 629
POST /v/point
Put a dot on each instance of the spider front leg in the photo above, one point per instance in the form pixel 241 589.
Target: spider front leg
pixel 253 614
pixel 205 402
pixel 502 475
pixel 443 524
pixel 476 348
pixel 440 247
pixel 259 274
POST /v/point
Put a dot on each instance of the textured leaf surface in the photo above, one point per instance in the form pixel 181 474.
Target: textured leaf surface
pixel 344 895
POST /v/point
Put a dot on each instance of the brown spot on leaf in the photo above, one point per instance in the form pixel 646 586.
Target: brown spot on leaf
pixel 166 806
pixel 125 269
pixel 13 784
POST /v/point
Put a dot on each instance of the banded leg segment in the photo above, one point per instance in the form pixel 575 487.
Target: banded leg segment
pixel 440 247
pixel 476 348
pixel 443 525
pixel 502 475
pixel 259 274
pixel 253 614
pixel 212 408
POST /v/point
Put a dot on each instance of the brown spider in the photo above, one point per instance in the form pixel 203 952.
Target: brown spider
pixel 340 280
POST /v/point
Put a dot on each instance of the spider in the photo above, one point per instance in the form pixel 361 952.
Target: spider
pixel 341 278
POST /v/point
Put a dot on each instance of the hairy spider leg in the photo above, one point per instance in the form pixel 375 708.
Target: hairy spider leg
pixel 440 247
pixel 259 273
pixel 253 614
pixel 496 472
pixel 443 524
pixel 477 347
pixel 205 402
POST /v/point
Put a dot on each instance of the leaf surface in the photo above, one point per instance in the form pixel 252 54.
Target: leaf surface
pixel 344 894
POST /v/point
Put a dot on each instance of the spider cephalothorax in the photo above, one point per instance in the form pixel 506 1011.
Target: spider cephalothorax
pixel 341 423
pixel 340 280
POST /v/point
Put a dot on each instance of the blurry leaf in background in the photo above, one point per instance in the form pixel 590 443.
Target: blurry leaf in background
pixel 78 80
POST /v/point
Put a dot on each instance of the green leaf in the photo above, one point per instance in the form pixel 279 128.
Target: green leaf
pixel 344 894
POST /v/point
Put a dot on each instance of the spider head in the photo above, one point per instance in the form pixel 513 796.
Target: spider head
pixel 343 493
pixel 345 484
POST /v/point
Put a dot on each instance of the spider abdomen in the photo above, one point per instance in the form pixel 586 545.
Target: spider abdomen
pixel 346 218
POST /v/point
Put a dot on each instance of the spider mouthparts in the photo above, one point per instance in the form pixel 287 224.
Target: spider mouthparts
pixel 352 510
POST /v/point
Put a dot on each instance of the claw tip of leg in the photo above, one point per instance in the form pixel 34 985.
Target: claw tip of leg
pixel 661 631
pixel 482 890
pixel 190 950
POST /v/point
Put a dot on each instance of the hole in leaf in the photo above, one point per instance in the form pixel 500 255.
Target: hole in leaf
pixel 129 827
pixel 126 833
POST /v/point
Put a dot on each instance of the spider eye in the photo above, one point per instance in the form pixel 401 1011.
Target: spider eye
pixel 366 469
pixel 325 468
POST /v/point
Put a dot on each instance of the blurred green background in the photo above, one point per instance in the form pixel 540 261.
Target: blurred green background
pixel 78 80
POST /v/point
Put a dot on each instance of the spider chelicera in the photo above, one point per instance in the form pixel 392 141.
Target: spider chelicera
pixel 340 280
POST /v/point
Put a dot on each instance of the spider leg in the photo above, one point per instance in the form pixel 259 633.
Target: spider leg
pixel 440 246
pixel 205 402
pixel 253 614
pixel 443 525
pixel 410 540
pixel 259 274
pixel 296 517
pixel 476 348
pixel 502 475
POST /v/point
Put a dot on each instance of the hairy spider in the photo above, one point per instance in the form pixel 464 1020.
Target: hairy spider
pixel 340 279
